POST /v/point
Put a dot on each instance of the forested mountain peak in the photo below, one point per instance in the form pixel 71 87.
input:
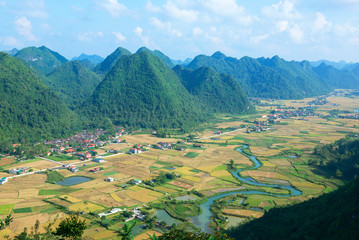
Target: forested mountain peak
pixel 167 61
pixel 40 59
pixel 94 59
pixel 73 83
pixel 218 55
pixel 141 91
pixel 36 115
pixel 110 61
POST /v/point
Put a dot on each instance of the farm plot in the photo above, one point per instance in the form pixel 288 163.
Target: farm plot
pixel 180 184
pixel 6 161
pixel 6 209
pixel 36 165
pixel 85 206
pixel 242 213
pixel 144 195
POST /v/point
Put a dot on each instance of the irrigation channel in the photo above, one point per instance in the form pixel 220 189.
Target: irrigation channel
pixel 202 221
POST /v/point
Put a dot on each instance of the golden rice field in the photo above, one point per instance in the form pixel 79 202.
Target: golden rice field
pixel 242 212
pixel 85 206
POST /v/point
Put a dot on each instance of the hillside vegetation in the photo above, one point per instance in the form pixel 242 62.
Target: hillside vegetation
pixel 331 216
pixel 73 83
pixel 141 91
pixel 218 92
pixel 42 59
pixel 29 110
pixel 339 159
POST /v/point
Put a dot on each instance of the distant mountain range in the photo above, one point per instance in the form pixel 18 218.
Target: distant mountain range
pixel 94 59
pixel 145 89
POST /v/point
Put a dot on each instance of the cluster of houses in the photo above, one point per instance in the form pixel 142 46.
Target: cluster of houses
pixel 3 180
pixel 258 126
pixel 349 116
pixel 163 145
pixel 19 170
pixel 136 213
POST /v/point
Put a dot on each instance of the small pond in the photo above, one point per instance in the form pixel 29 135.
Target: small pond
pixel 256 209
pixel 186 198
pixel 162 215
pixel 73 181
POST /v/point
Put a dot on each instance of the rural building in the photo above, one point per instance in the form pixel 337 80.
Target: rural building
pixel 135 150
pixel 3 180
pixel 112 211
pixel 95 169
pixel 110 179
pixel 73 169
pixel 99 160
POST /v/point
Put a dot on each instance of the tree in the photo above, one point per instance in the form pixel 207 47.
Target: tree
pixel 8 220
pixel 72 227
pixel 125 232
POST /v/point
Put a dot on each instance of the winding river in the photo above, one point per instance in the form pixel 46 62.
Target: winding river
pixel 201 221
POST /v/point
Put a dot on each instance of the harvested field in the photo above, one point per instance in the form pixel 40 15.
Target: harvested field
pixel 184 170
pixel 6 161
pixel 85 206
pixel 180 184
pixel 146 138
pixel 208 168
pixel 146 235
pixel 8 195
pixel 307 185
pixel 192 178
pixel 18 224
pixel 104 235
pixel 163 189
pixel 70 198
pixel 144 195
pixel 28 193
pixel 115 197
pixel 36 165
pixel 126 200
pixel 242 213
pixel 256 173
pixel 220 173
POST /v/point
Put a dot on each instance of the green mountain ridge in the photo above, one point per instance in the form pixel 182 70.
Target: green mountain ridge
pixel 73 83
pixel 219 92
pixel 276 78
pixel 40 59
pixel 141 91
pixel 166 60
pixel 29 110
pixel 107 64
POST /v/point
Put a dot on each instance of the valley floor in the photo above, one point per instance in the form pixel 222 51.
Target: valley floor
pixel 283 149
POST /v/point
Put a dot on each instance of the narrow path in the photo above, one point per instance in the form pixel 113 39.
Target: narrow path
pixel 221 134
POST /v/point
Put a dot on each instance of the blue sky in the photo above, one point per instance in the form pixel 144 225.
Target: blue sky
pixel 292 29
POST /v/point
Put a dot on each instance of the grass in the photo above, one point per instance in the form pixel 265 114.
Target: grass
pixel 62 158
pixel 191 154
pixel 54 177
pixel 6 209
pixel 64 190
pixel 110 173
pixel 23 210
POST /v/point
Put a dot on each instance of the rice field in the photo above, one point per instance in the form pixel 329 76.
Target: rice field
pixel 85 206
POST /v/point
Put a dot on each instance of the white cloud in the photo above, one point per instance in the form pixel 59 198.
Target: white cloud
pixel 320 22
pixel 197 31
pixel 113 7
pixel 257 39
pixel 281 25
pixel 145 39
pixel 85 37
pixel 184 15
pixel 23 27
pixel 9 41
pixel 119 36
pixel 165 25
pixel 228 8
pixel 283 10
pixel 296 34
pixel 152 8
pixel 138 31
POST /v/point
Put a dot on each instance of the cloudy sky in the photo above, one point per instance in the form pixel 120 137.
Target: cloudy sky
pixel 292 29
